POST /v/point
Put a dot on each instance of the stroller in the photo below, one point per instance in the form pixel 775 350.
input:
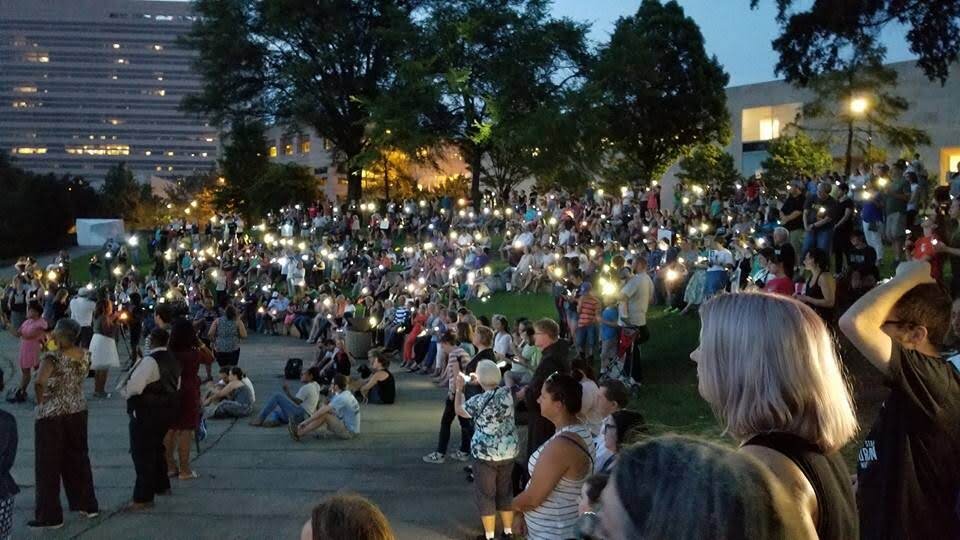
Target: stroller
pixel 626 367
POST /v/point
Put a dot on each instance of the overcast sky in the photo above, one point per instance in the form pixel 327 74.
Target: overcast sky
pixel 738 36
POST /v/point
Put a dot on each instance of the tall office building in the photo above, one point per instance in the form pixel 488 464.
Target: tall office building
pixel 85 84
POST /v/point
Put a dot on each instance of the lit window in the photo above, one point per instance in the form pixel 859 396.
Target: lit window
pixel 158 167
pixel 273 151
pixel 305 146
pixel 766 123
pixel 114 77
pixel 208 139
pixel 116 45
pixel 169 167
pixel 116 121
pixel 769 128
pixel 19 104
pixel 25 89
pixel 203 154
pixel 159 78
pixel 158 47
pixel 147 153
pixel 169 153
pixel 288 149
pixel 121 60
pixel 29 150
pixel 36 57
pixel 161 92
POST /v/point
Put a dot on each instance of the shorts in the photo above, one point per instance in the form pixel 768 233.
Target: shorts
pixel 895 227
pixel 493 485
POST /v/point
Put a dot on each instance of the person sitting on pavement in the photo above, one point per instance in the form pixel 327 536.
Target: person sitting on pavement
pixel 379 385
pixel 282 407
pixel 341 416
pixel 337 363
pixel 235 400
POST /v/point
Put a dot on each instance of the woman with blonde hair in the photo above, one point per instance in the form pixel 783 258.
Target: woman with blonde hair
pixel 768 367
pixel 346 517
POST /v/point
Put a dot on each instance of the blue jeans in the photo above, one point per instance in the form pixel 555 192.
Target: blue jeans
pixel 822 239
pixel 587 339
pixel 716 281
pixel 431 356
pixel 280 408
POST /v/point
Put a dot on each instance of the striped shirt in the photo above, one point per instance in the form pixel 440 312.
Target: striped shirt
pixel 556 517
pixel 588 310
pixel 401 315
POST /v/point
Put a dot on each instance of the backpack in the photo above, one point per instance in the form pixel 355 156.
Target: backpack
pixel 293 368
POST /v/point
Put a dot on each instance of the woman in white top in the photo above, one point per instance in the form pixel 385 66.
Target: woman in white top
pixel 559 467
pixel 590 414
pixel 502 341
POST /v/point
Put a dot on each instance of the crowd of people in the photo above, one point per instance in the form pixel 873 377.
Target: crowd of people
pixel 542 403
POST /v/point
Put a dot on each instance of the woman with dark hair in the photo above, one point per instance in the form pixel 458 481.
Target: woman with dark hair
pixel 821 288
pixel 235 400
pixel 346 517
pixel 103 345
pixel 560 466
pixel 619 429
pixel 225 335
pixel 677 487
pixel 190 353
pixel 778 281
pixel 590 414
pixel 30 332
pixel 60 431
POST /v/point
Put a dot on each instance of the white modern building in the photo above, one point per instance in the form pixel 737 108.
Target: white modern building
pixel 760 112
pixel 85 84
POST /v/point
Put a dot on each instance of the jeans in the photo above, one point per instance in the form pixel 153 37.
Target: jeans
pixel 466 429
pixel 431 357
pixel 587 339
pixel 820 239
pixel 279 408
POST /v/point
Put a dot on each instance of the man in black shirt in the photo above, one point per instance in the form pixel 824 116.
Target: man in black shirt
pixel 819 216
pixel 908 475
pixel 861 273
pixel 791 214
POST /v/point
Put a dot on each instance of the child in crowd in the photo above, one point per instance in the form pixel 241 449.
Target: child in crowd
pixel 609 335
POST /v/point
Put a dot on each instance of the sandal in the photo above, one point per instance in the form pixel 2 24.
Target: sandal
pixel 193 475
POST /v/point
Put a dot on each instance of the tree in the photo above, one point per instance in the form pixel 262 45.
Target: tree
pixel 282 185
pixel 126 198
pixel 313 64
pixel 658 93
pixel 793 156
pixel 709 164
pixel 243 164
pixel 859 102
pixel 820 39
pixel 485 65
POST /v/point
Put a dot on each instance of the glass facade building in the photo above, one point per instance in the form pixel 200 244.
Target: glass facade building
pixel 85 84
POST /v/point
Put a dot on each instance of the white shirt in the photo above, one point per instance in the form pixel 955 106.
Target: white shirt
pixel 146 371
pixel 309 396
pixel 249 383
pixel 719 259
pixel 503 343
pixel 636 299
pixel 81 310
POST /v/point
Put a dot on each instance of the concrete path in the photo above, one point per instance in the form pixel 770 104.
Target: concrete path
pixel 256 482
pixel 76 252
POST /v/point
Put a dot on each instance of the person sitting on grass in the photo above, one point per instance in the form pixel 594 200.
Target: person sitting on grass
pixel 378 386
pixel 284 406
pixel 341 416
pixel 234 400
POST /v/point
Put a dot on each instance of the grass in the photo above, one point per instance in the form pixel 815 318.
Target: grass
pixel 669 399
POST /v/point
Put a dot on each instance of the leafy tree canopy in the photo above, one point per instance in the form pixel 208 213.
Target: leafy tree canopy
pixel 793 156
pixel 709 165
pixel 821 38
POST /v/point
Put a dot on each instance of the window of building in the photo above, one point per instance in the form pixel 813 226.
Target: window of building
pixel 288 149
pixel 273 151
pixel 29 150
pixel 949 161
pixel 121 60
pixel 158 47
pixel 766 123
pixel 42 58
pixel 25 89
pixel 304 146
pixel 99 149
pixel 116 45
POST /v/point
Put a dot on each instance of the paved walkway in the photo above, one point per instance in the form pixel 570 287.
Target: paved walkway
pixel 256 482
pixel 76 252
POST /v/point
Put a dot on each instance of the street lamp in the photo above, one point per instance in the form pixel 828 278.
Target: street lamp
pixel 858 107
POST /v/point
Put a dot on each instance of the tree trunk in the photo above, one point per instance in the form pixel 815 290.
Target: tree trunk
pixel 475 165
pixel 354 183
pixel 849 156
pixel 386 179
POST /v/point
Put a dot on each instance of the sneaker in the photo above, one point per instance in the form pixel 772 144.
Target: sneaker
pixel 294 432
pixel 434 457
pixel 460 456
pixel 89 515
pixel 34 524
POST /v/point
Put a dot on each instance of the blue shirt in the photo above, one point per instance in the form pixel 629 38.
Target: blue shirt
pixel 609 314
pixel 347 409
pixel 871 213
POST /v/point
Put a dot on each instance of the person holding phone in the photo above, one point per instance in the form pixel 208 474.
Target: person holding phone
pixel 457 359
pixel 103 345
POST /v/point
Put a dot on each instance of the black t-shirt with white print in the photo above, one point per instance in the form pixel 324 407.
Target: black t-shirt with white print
pixel 908 481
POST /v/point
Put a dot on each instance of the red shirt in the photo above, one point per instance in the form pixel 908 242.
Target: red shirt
pixel 782 286
pixel 925 250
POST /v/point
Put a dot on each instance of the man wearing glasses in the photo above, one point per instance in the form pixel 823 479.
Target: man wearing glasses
pixel 908 476
pixel 546 336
